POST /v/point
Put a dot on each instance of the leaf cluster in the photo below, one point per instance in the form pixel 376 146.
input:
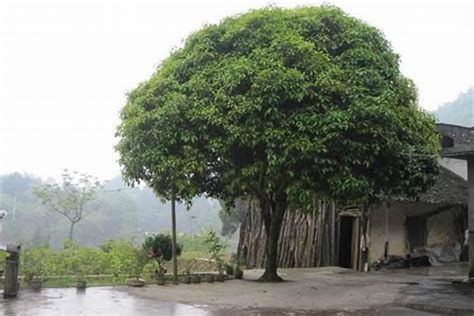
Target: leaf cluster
pixel 160 247
pixel 72 197
pixel 307 101
pixel 215 248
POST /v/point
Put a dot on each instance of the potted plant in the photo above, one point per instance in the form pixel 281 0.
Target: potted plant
pixel 229 270
pixel 160 276
pixel 159 248
pixel 238 273
pixel 215 247
pixel 81 270
pixel 136 269
pixel 81 282
pixel 210 278
pixel 188 278
pixel 196 279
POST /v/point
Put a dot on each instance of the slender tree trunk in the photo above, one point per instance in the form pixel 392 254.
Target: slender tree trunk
pixel 71 231
pixel 273 218
pixel 173 245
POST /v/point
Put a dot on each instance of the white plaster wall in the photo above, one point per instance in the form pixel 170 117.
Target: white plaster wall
pixel 440 229
pixel 457 166
pixel 396 234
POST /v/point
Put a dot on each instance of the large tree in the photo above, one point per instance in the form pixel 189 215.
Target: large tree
pixel 283 105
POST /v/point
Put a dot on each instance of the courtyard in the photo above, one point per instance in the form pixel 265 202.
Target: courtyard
pixel 311 291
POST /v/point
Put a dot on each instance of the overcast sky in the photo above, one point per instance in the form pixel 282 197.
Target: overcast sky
pixel 65 66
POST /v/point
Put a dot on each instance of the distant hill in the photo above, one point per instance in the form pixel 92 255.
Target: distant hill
pixel 458 112
pixel 122 213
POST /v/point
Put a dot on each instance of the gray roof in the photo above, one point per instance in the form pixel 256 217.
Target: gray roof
pixel 458 141
pixel 448 189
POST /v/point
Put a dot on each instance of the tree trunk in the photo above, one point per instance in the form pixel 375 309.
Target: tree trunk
pixel 71 231
pixel 273 218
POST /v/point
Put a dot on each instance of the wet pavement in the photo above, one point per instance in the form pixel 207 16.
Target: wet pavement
pixel 92 301
pixel 319 291
pixel 113 301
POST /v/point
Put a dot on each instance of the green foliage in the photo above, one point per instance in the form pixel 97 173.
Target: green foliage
pixel 458 112
pixel 3 256
pixel 19 185
pixel 194 243
pixel 111 263
pixel 159 248
pixel 289 106
pixel 215 248
pixel 116 257
pixel 121 214
pixel 122 256
pixel 71 198
pixel 33 263
pixel 287 103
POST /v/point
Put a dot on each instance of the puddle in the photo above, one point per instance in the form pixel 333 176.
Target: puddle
pixel 463 288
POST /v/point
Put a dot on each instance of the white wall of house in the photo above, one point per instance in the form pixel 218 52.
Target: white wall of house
pixel 440 228
pixel 395 234
pixel 458 166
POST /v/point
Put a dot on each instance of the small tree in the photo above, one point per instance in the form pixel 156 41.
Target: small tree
pixel 71 198
pixel 139 262
pixel 216 246
pixel 159 248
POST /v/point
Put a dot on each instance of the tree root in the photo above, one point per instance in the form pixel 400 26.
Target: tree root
pixel 270 278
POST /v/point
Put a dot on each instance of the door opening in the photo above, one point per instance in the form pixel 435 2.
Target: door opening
pixel 345 241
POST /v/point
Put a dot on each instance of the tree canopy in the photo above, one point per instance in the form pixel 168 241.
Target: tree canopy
pixel 284 105
pixel 72 198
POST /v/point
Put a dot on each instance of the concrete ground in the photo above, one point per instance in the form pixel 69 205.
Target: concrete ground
pixel 333 290
pixel 316 291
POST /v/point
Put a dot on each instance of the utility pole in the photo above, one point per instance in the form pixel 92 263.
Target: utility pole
pixel 173 231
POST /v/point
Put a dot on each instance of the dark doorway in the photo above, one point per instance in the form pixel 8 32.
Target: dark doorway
pixel 345 241
pixel 416 228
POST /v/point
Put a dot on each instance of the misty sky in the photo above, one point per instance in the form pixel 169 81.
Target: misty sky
pixel 65 66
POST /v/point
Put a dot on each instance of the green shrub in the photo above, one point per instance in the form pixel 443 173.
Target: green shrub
pixel 118 258
pixel 215 249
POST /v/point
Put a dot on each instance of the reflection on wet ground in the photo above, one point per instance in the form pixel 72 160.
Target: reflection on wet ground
pixel 92 301
pixel 448 270
pixel 110 301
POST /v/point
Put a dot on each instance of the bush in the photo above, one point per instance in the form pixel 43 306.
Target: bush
pixel 117 259
pixel 215 248
pixel 159 247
